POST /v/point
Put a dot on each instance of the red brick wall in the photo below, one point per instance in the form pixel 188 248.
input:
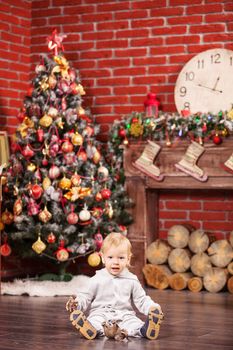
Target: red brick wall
pixel 125 49
pixel 211 211
pixel 15 42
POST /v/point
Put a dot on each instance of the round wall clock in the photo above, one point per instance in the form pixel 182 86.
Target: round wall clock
pixel 205 84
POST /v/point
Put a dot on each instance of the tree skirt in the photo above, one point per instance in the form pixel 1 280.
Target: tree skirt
pixel 33 287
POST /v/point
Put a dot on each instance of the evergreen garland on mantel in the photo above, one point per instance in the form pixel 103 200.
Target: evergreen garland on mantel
pixel 170 127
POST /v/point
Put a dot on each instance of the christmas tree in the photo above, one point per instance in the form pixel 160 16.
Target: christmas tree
pixel 63 191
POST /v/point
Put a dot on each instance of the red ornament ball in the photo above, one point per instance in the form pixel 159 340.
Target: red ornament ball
pixel 72 218
pixel 62 254
pixel 67 147
pixel 36 191
pixel 5 249
pixel 122 133
pixel 217 140
pixel 106 193
pixel 27 152
pixel 82 156
pixel 44 161
pixel 51 238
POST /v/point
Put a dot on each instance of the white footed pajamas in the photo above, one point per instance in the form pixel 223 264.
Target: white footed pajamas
pixel 110 298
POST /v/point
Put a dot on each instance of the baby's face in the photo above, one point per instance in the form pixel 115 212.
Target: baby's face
pixel 116 259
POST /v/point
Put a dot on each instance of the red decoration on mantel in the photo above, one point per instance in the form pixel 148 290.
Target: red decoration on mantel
pixel 185 112
pixel 217 140
pixel 151 105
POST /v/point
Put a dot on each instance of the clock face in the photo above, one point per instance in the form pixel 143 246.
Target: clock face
pixel 205 84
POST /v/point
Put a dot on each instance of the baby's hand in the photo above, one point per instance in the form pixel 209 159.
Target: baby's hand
pixel 71 304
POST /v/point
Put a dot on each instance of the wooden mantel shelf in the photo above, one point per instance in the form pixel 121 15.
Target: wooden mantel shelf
pixel 143 190
pixel 211 162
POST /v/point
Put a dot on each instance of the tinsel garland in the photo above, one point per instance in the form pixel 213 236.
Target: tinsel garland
pixel 169 127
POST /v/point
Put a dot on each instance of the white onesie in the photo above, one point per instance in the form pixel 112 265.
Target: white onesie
pixel 110 297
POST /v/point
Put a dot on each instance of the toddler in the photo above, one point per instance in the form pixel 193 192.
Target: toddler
pixel 109 297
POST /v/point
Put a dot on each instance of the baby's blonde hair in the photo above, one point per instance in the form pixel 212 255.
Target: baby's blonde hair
pixel 115 239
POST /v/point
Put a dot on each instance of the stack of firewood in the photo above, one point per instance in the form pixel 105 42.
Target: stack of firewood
pixel 193 260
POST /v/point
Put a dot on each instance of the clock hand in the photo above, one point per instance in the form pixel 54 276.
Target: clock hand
pixel 207 87
pixel 215 85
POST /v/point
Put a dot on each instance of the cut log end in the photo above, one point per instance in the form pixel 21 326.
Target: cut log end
pixel 215 280
pixel 179 281
pixel 200 264
pixel 178 236
pixel 220 253
pixel 179 260
pixel 195 284
pixel 198 241
pixel 157 276
pixel 157 252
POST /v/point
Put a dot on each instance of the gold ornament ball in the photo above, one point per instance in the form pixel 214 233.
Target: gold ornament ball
pixel 94 259
pixel 39 246
pixel 45 121
pixel 46 183
pixel 77 139
pixel 224 132
pixel 7 217
pixel 31 167
pixel 96 157
pixel 65 183
pixel 136 129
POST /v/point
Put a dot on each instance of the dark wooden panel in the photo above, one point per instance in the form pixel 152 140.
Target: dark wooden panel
pixel 136 188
